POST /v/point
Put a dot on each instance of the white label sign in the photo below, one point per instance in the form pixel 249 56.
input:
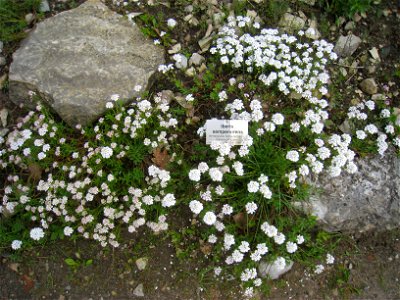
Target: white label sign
pixel 226 131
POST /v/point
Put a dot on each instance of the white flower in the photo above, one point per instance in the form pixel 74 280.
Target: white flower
pixel 224 59
pixel 269 230
pixel 106 152
pixel 109 105
pixel 329 259
pixel 291 247
pixel 189 98
pixel 278 119
pixel 269 126
pixel 215 174
pixel 361 134
pixel 203 167
pixel 253 186
pixel 168 200
pixel 237 256
pixel 323 153
pixel 280 263
pixel 279 238
pixel 319 269
pixel 16 244
pixel 227 209
pixel 244 247
pixel 114 97
pixel 212 239
pixel 251 208
pixel 389 129
pixel 171 23
pixel 196 206
pixel 300 239
pixel 292 155
pixel 110 177
pixel 370 104
pixel 209 218
pixel 371 128
pixel 36 233
pixel 229 240
pixel 194 175
pixel 68 231
pixel 41 155
pixel 219 190
pixel 385 113
pixel 304 170
pixel 263 179
pixel 248 274
pixel 265 191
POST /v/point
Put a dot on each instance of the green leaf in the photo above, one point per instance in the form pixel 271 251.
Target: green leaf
pixel 89 262
pixel 18 226
pixel 71 262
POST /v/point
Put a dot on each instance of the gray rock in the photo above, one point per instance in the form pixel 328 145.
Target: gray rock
pixel 291 23
pixel 4 132
pixel 350 25
pixel 175 49
pixel 3 61
pixel 347 45
pixel 196 59
pixel 369 86
pixel 1 46
pixel 44 6
pixel 76 68
pixel 3 117
pixel 138 291
pixel 190 72
pixel 312 32
pixel 29 18
pixel 367 200
pixel 309 2
pixel 272 271
pixel 141 263
pixel 205 43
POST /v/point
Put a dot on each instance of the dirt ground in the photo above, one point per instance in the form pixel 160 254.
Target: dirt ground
pixel 365 268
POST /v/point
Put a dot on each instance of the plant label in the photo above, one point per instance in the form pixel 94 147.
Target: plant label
pixel 226 131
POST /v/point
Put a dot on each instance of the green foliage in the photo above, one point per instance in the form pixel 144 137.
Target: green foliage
pixel 346 8
pixel 12 18
pixel 153 25
pixel 274 10
pixel 77 263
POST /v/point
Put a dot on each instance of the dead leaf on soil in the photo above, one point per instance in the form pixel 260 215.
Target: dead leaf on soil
pixel 14 267
pixel 206 249
pixel 35 172
pixel 28 283
pixel 160 158
pixel 371 257
pixel 240 220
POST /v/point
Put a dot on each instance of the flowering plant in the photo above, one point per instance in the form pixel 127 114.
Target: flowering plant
pixel 132 166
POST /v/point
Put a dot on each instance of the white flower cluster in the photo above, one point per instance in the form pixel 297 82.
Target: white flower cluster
pixel 91 177
pixel 292 67
pixel 260 186
pixel 384 129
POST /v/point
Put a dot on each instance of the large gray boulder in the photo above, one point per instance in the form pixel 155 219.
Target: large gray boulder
pixel 77 59
pixel 367 200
